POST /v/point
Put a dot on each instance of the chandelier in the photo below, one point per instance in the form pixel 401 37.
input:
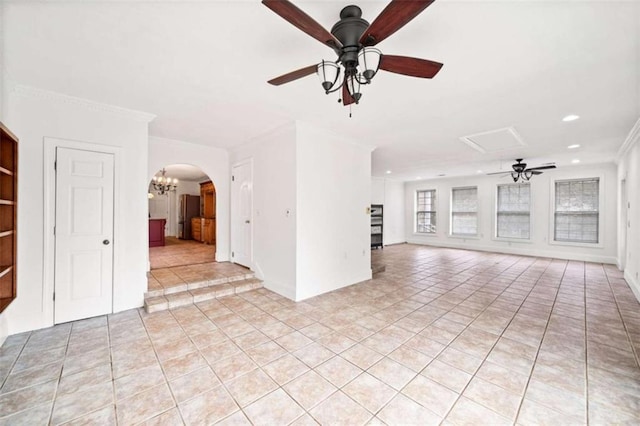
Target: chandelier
pixel 358 67
pixel 163 184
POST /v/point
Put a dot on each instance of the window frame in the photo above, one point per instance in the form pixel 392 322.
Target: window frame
pixel 477 212
pixel 434 206
pixel 601 212
pixel 495 236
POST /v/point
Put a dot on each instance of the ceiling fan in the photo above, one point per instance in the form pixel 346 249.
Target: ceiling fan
pixel 352 39
pixel 521 172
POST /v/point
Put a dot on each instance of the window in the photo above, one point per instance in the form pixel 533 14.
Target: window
pixel 464 211
pixel 577 211
pixel 513 211
pixel 426 211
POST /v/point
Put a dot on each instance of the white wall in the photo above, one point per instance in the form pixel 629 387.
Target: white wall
pixel 274 192
pixel 541 217
pixel 333 227
pixel 629 171
pixel 390 194
pixel 32 115
pixel 214 162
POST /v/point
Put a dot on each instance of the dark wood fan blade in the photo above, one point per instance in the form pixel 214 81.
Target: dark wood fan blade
pixel 536 172
pixel 395 16
pixel 540 168
pixel 498 173
pixel 410 66
pixel 347 99
pixel 294 75
pixel 304 22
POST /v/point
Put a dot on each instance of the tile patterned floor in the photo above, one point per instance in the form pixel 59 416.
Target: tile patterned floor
pixel 441 337
pixel 178 252
pixel 181 278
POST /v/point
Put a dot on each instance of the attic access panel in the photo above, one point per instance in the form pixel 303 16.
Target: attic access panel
pixel 494 140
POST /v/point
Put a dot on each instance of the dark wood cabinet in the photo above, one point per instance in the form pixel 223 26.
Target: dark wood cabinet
pixel 8 216
pixel 156 232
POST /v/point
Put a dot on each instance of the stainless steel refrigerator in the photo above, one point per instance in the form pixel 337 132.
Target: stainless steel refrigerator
pixel 189 208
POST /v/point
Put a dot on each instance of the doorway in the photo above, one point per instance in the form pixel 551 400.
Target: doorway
pixel 83 233
pixel 182 218
pixel 241 214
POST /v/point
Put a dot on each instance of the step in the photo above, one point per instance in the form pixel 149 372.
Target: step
pixel 201 294
pixel 182 286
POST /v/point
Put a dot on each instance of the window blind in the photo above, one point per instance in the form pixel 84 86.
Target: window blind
pixel 577 213
pixel 513 211
pixel 464 211
pixel 426 211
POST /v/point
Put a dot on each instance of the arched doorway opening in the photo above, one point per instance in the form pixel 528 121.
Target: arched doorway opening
pixel 182 217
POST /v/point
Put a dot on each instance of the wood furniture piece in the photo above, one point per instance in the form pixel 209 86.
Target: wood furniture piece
pixel 8 215
pixel 156 232
pixel 376 225
pixel 196 229
pixel 203 228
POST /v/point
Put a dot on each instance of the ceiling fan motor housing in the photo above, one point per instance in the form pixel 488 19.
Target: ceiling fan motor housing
pixel 348 30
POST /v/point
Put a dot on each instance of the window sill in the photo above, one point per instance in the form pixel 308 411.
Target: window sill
pixel 512 240
pixel 576 244
pixel 464 237
pixel 425 234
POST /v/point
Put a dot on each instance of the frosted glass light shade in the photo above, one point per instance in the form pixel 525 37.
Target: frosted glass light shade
pixel 369 61
pixel 328 73
pixel 353 86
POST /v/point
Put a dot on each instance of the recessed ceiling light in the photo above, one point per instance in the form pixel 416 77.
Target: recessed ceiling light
pixel 576 161
pixel 574 146
pixel 418 178
pixel 388 172
pixel 479 171
pixel 571 117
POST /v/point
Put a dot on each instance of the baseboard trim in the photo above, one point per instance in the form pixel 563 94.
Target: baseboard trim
pixel 633 284
pixel 525 252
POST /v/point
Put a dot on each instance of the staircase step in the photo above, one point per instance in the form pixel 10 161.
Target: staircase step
pixel 155 303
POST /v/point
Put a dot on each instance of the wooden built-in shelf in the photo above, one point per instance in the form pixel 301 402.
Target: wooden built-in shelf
pixel 8 216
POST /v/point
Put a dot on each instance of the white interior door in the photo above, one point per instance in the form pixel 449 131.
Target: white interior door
pixel 241 214
pixel 83 234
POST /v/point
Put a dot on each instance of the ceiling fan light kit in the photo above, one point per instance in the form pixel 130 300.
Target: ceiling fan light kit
pixel 352 39
pixel 522 173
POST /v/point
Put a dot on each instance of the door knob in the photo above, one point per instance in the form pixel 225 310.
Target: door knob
pixel 105 242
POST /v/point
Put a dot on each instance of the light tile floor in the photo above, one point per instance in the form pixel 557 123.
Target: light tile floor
pixel 443 336
pixel 177 252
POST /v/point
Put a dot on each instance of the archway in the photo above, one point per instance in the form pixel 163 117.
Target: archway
pixel 182 218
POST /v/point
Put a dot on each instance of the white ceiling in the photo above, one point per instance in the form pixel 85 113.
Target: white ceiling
pixel 202 67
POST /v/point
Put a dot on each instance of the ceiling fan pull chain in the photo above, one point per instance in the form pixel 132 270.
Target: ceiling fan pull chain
pixel 349 110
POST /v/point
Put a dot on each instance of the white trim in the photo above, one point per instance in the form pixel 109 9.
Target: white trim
pixel 633 284
pixel 252 219
pixel 523 252
pixel 49 174
pixel 29 91
pixel 630 140
pixel 601 211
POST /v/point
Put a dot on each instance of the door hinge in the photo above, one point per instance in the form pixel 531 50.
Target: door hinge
pixel 55 165
pixel 233 178
pixel 54 296
pixel 54 230
pixel 233 254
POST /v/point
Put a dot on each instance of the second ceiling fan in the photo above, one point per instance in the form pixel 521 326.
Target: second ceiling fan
pixel 352 39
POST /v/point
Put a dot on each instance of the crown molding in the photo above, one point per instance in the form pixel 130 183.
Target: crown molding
pixel 632 138
pixel 34 92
